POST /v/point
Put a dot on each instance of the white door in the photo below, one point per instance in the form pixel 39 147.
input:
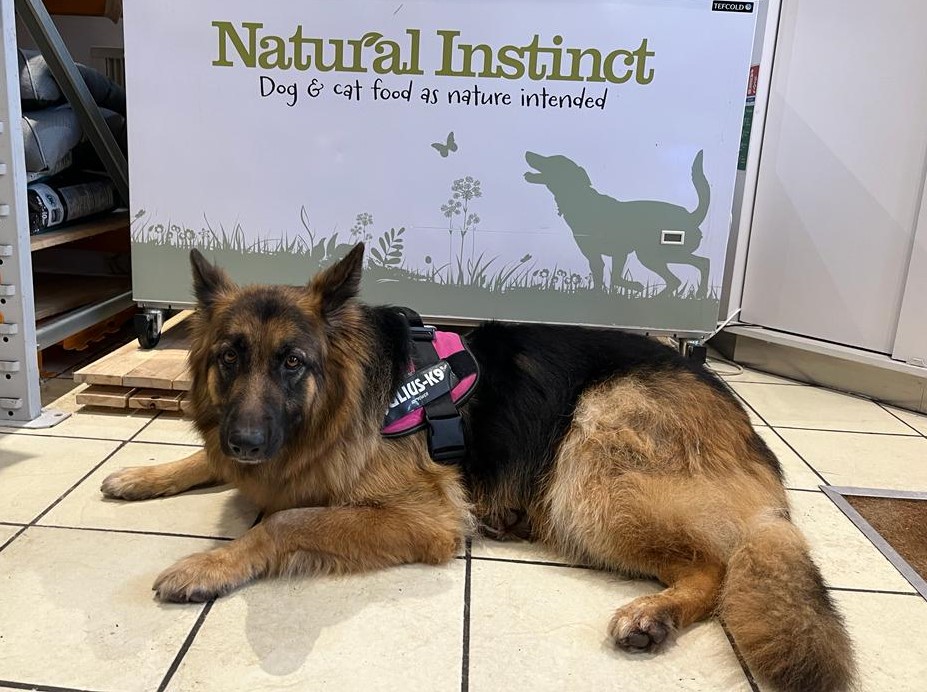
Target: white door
pixel 841 172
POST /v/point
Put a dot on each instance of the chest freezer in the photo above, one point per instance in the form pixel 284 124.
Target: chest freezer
pixel 558 161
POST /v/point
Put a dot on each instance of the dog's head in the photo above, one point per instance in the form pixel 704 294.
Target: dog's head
pixel 556 172
pixel 260 355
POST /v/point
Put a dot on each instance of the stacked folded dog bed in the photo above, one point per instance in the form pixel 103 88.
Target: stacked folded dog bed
pixel 66 177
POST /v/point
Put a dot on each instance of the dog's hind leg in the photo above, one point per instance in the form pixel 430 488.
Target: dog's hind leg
pixel 692 595
pixel 641 525
pixel 642 487
pixel 145 482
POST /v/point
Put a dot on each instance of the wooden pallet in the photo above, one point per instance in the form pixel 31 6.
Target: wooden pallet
pixel 135 378
pixel 110 396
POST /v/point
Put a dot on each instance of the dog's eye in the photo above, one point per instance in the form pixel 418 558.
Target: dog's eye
pixel 292 362
pixel 229 357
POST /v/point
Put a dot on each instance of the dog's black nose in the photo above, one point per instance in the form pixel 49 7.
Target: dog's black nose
pixel 248 443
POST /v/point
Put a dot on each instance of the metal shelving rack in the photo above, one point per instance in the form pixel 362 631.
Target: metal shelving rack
pixel 20 339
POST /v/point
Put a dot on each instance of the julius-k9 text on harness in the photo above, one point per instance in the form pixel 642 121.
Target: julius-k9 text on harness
pixel 442 376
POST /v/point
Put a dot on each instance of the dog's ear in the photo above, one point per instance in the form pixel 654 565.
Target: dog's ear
pixel 208 280
pixel 340 282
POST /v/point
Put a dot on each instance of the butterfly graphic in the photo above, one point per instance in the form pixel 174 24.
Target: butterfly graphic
pixel 445 149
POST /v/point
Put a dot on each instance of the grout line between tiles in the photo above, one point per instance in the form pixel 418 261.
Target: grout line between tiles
pixel 743 400
pixel 734 380
pixel 900 419
pixel 913 432
pixel 133 439
pixel 747 404
pixel 803 490
pixel 12 538
pixel 137 532
pixel 200 619
pixel 740 659
pixel 80 480
pixel 40 688
pixel 800 456
pixel 168 444
pixel 465 647
pixel 35 521
pixel 187 643
pixel 74 437
pixel 539 563
pixel 202 616
pixel 879 591
pixel 67 492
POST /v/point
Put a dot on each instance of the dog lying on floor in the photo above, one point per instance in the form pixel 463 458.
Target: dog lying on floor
pixel 607 447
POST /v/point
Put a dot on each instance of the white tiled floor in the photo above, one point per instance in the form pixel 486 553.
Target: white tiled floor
pixel 846 557
pixel 170 428
pixel 76 609
pixel 915 420
pixel 103 424
pixel 544 628
pixel 398 629
pixel 207 511
pixel 7 532
pixel 797 473
pixel 77 613
pixel 890 635
pixel 788 406
pixel 861 460
pixel 36 471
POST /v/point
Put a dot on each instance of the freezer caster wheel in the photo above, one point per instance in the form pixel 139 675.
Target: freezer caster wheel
pixel 148 328
pixel 696 351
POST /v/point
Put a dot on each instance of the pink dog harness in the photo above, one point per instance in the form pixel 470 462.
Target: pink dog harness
pixel 442 376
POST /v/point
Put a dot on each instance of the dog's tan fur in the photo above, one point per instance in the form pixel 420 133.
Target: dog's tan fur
pixel 653 478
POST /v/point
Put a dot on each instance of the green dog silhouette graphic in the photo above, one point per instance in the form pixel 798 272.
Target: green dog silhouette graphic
pixel 659 233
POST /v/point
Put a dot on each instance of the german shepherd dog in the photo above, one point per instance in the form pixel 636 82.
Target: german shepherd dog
pixel 602 225
pixel 614 449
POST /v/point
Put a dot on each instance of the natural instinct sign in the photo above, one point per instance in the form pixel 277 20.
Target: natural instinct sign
pixel 246 44
pixel 536 161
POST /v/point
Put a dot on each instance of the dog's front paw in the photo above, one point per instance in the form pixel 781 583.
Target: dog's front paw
pixel 639 630
pixel 197 578
pixel 133 483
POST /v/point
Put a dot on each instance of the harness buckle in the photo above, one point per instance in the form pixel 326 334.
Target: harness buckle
pixel 423 333
pixel 446 438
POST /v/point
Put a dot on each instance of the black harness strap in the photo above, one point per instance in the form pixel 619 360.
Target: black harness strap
pixel 446 441
pixel 462 363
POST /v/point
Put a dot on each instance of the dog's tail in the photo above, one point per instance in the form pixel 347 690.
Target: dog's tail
pixel 781 616
pixel 702 188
